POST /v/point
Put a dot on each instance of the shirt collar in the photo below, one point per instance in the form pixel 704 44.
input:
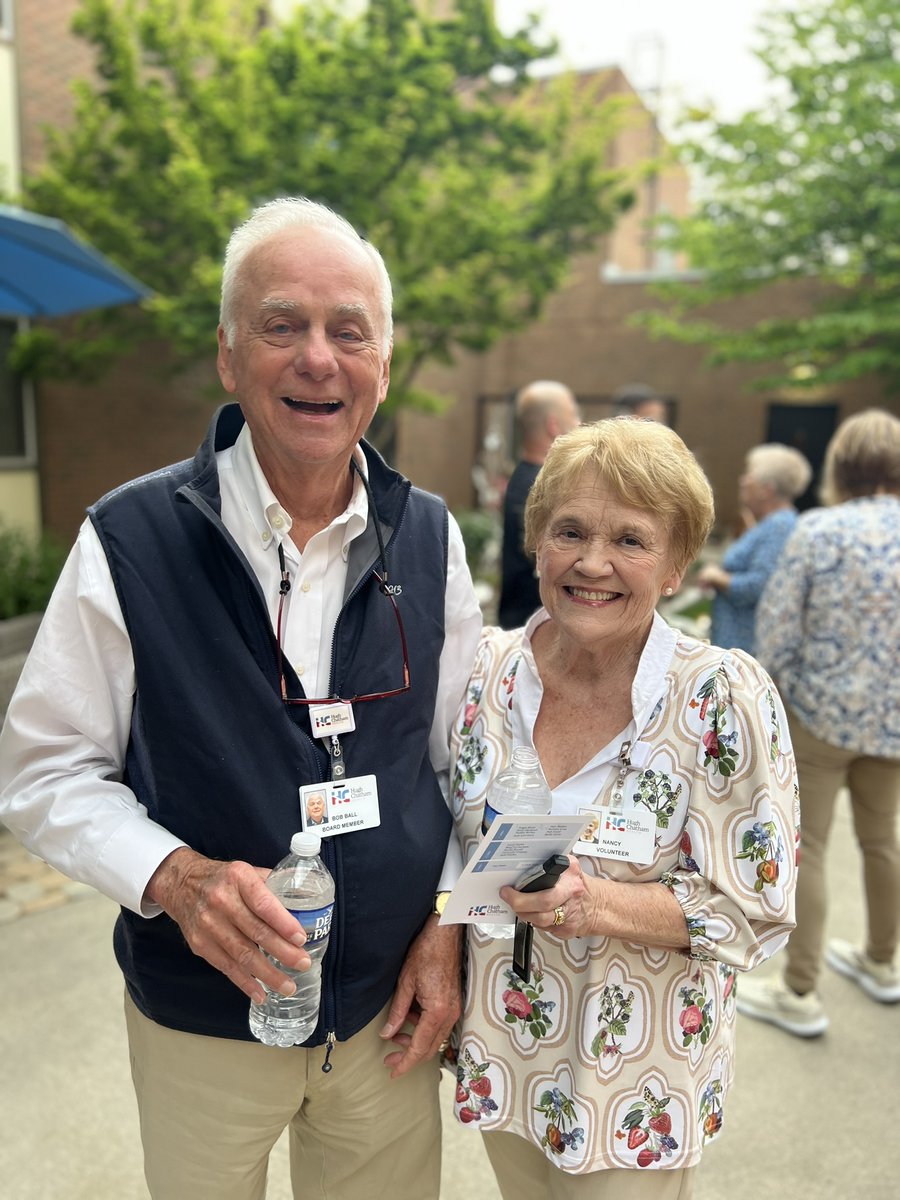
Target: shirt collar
pixel 646 690
pixel 272 522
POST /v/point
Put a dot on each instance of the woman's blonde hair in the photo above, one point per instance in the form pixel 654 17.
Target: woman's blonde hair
pixel 644 463
pixel 863 457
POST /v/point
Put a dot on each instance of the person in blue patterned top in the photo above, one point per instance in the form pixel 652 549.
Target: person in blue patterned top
pixel 774 476
pixel 828 631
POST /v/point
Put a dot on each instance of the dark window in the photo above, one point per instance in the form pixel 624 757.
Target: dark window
pixel 13 437
pixel 808 428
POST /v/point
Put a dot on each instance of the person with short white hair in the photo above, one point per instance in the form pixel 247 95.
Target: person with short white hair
pixel 774 476
pixel 166 729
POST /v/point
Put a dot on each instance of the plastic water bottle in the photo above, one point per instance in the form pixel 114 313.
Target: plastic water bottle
pixel 519 790
pixel 304 885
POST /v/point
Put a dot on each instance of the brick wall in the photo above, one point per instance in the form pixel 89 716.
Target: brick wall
pixel 586 340
pixel 135 419
pixel 49 58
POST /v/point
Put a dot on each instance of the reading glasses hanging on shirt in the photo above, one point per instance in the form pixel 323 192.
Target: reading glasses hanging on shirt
pixel 285 587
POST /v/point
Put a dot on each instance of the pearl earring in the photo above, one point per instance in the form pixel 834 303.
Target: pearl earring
pixel 668 591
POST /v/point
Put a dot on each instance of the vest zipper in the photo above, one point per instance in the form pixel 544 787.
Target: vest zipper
pixel 330 1043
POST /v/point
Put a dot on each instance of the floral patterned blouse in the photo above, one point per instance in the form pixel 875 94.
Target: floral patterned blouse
pixel 616 1054
pixel 828 624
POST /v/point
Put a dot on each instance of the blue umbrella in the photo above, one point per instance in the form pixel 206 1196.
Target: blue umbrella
pixel 46 271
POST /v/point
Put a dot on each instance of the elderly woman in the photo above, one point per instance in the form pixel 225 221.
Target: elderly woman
pixel 829 631
pixel 774 476
pixel 606 1073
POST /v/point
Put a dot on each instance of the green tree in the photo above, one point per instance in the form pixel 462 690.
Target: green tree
pixel 477 184
pixel 807 187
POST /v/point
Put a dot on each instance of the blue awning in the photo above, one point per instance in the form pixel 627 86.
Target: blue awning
pixel 46 271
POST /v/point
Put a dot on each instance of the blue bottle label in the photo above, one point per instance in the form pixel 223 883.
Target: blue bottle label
pixel 316 921
pixel 488 819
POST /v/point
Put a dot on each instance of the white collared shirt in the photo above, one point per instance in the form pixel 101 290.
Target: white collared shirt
pixel 647 690
pixel 63 744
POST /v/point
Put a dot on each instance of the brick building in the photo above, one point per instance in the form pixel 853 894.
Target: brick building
pixel 88 439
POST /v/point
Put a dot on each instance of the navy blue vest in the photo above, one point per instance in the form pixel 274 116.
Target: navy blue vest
pixel 217 758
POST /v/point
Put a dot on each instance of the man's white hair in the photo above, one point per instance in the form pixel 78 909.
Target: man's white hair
pixel 280 216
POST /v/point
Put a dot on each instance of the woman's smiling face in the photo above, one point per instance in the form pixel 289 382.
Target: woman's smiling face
pixel 603 566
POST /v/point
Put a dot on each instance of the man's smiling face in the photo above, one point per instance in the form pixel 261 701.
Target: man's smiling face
pixel 307 364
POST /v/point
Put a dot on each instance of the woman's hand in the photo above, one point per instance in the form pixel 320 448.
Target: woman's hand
pixel 590 906
pixel 713 576
pixel 567 910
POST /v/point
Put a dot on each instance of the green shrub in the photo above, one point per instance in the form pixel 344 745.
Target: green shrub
pixel 478 530
pixel 28 571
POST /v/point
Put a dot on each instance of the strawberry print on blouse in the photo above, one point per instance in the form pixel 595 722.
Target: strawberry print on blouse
pixel 473 1090
pixel 648 1129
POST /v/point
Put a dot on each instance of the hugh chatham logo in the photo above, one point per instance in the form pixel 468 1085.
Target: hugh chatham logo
pixel 393 589
pixel 330 720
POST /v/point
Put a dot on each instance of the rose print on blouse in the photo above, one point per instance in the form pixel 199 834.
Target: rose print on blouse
pixel 524 1005
pixel 763 845
pixel 648 1129
pixel 472 751
pixel 695 1017
pixel 728 976
pixel 719 746
pixel 687 851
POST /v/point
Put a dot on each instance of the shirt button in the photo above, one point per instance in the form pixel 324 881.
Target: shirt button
pixel 299 669
pixel 305 585
pixel 278 522
pixel 266 536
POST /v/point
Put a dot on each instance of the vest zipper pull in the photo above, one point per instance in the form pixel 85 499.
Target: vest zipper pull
pixel 338 771
pixel 330 1043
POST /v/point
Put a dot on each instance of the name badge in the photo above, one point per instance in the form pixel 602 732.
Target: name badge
pixel 328 719
pixel 611 833
pixel 341 806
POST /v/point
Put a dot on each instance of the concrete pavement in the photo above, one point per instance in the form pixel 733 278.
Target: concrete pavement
pixel 807 1120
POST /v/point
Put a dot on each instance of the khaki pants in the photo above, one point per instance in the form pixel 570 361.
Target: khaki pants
pixel 525 1173
pixel 874 786
pixel 211 1109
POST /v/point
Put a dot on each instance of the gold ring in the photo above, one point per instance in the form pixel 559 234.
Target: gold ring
pixel 559 915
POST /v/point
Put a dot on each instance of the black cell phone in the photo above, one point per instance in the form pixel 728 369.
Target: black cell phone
pixel 541 879
pixel 544 877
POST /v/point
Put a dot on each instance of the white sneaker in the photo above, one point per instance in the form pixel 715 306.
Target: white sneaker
pixel 773 1001
pixel 881 981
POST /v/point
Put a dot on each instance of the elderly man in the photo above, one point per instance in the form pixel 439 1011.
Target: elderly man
pixel 544 410
pixel 170 716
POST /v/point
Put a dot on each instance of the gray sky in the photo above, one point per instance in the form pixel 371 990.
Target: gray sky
pixel 697 51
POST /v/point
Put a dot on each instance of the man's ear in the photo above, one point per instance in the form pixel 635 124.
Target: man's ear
pixel 385 374
pixel 223 363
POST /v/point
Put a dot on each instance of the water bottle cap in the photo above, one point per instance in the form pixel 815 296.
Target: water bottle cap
pixel 305 844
